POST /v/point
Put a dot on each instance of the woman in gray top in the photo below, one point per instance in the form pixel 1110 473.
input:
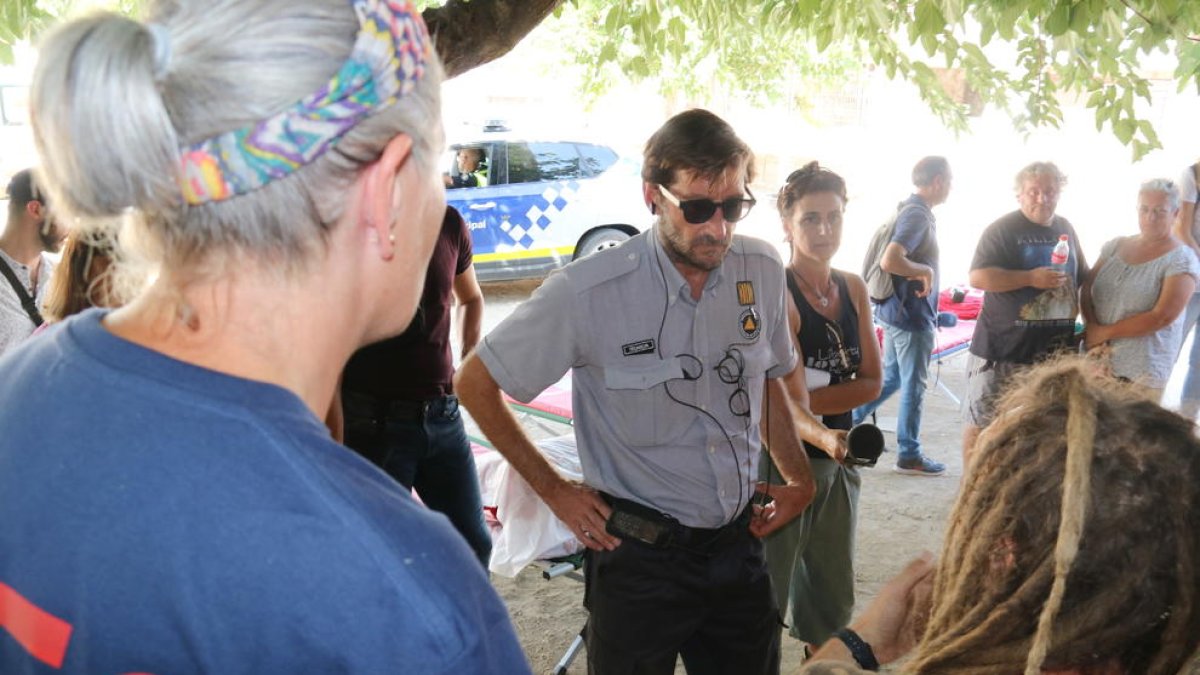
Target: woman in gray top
pixel 1134 298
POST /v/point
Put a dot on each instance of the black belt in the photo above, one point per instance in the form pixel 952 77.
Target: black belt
pixel 660 530
pixel 375 408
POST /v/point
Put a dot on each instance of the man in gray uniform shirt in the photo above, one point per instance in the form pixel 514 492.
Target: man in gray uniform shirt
pixel 676 340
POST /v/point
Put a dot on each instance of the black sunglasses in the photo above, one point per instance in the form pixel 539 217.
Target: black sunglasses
pixel 697 211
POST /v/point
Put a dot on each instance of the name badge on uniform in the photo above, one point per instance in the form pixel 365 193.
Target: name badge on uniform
pixel 640 347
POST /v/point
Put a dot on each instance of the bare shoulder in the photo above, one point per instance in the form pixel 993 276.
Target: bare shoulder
pixel 854 282
pixel 755 247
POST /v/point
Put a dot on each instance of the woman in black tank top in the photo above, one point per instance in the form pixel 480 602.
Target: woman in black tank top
pixel 811 559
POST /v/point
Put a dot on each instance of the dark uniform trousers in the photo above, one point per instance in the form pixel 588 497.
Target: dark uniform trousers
pixel 706 597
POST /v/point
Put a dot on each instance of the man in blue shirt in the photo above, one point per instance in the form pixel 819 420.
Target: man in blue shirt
pixel 909 317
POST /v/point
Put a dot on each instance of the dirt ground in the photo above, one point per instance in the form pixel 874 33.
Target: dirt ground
pixel 899 516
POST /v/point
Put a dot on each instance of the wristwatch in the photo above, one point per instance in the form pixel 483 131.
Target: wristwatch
pixel 859 649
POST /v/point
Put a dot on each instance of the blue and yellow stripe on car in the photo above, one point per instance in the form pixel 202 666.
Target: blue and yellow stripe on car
pixel 558 252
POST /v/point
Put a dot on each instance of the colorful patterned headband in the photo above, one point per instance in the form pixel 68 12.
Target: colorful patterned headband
pixel 388 59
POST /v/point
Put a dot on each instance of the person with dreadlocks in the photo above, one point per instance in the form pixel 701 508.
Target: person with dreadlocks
pixel 1072 547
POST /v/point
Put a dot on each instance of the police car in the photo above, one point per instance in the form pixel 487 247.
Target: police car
pixel 545 202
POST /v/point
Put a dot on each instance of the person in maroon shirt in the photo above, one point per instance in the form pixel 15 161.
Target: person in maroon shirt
pixel 399 407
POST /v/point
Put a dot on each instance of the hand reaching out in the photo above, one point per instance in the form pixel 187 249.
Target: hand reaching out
pixel 895 619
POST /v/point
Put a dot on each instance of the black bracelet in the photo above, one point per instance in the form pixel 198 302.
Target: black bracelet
pixel 859 649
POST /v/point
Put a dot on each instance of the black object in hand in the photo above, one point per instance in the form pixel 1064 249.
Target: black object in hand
pixel 865 442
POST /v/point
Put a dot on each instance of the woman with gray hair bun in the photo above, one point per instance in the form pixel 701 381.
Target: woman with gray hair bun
pixel 172 502
pixel 1133 299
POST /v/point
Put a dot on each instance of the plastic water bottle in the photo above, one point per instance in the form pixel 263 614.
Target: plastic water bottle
pixel 1060 254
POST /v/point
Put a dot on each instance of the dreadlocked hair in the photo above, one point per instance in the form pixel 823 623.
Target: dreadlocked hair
pixel 1073 542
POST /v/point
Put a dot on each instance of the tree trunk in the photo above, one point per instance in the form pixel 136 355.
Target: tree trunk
pixel 470 34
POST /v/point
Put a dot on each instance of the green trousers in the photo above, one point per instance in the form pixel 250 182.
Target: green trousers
pixel 811 559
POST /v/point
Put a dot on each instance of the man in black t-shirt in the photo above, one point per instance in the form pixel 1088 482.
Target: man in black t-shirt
pixel 1030 305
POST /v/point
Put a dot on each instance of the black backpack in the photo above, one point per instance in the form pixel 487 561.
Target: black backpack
pixel 880 286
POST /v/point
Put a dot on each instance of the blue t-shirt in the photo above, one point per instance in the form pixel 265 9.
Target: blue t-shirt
pixel 164 518
pixel 917 233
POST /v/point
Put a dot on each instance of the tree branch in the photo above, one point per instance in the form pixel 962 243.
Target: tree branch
pixel 1130 7
pixel 470 34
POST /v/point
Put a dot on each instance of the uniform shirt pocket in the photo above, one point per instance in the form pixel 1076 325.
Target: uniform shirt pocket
pixel 642 411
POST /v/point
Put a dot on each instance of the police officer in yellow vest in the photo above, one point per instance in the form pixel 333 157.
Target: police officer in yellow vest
pixel 471 169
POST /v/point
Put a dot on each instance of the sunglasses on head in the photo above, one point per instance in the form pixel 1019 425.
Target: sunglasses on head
pixel 697 211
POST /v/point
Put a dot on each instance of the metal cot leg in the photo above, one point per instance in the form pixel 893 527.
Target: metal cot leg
pixel 571 653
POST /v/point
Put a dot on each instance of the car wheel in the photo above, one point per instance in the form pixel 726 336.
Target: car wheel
pixel 599 240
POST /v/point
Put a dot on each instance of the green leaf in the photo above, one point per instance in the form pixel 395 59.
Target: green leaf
pixel 1108 65
pixel 973 52
pixel 929 18
pixel 1146 129
pixel 986 32
pixel 1060 18
pixel 824 37
pixel 952 10
pixel 613 21
pixel 608 53
pixel 1006 22
pixel 1123 129
pixel 677 29
pixel 930 43
pixel 639 66
pixel 878 13
pixel 1081 18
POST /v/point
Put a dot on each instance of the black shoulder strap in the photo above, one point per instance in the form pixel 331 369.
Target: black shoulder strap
pixel 797 295
pixel 27 302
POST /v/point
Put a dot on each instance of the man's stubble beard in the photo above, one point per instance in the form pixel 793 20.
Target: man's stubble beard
pixel 676 252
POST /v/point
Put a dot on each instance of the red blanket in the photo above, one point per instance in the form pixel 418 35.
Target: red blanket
pixel 969 305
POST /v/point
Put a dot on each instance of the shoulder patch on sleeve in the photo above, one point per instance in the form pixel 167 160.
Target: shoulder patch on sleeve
pixel 752 246
pixel 607 265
